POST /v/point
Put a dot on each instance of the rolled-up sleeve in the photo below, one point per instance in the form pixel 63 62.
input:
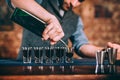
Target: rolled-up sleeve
pixel 79 38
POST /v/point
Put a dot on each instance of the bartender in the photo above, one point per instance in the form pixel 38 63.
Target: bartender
pixel 62 22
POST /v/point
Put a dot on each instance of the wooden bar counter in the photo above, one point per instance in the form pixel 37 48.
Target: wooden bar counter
pixel 82 69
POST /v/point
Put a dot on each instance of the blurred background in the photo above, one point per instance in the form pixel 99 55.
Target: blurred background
pixel 101 20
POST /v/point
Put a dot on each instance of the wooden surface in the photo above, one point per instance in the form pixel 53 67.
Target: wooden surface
pixel 78 72
pixel 59 77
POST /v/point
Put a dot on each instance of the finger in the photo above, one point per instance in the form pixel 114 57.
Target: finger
pixel 45 37
pixel 59 30
pixel 52 33
pixel 58 37
pixel 109 44
pixel 52 42
pixel 47 29
pixel 42 39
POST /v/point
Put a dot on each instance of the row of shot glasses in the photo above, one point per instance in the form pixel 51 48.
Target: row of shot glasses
pixel 46 55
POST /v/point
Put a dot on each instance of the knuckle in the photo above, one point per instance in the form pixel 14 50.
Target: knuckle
pixel 49 26
pixel 62 34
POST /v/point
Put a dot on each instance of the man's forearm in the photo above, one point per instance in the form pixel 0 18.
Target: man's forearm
pixel 53 30
pixel 33 7
pixel 89 50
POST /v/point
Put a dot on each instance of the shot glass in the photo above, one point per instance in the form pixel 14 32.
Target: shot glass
pixel 38 52
pixel 48 55
pixel 59 53
pixel 112 55
pixel 112 69
pixel 62 53
pixel 100 56
pixel 69 55
pixel 26 54
pixel 99 69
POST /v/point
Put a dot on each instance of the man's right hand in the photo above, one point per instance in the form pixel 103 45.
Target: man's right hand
pixel 53 31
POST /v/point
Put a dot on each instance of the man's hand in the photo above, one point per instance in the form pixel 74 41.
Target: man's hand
pixel 116 46
pixel 53 31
